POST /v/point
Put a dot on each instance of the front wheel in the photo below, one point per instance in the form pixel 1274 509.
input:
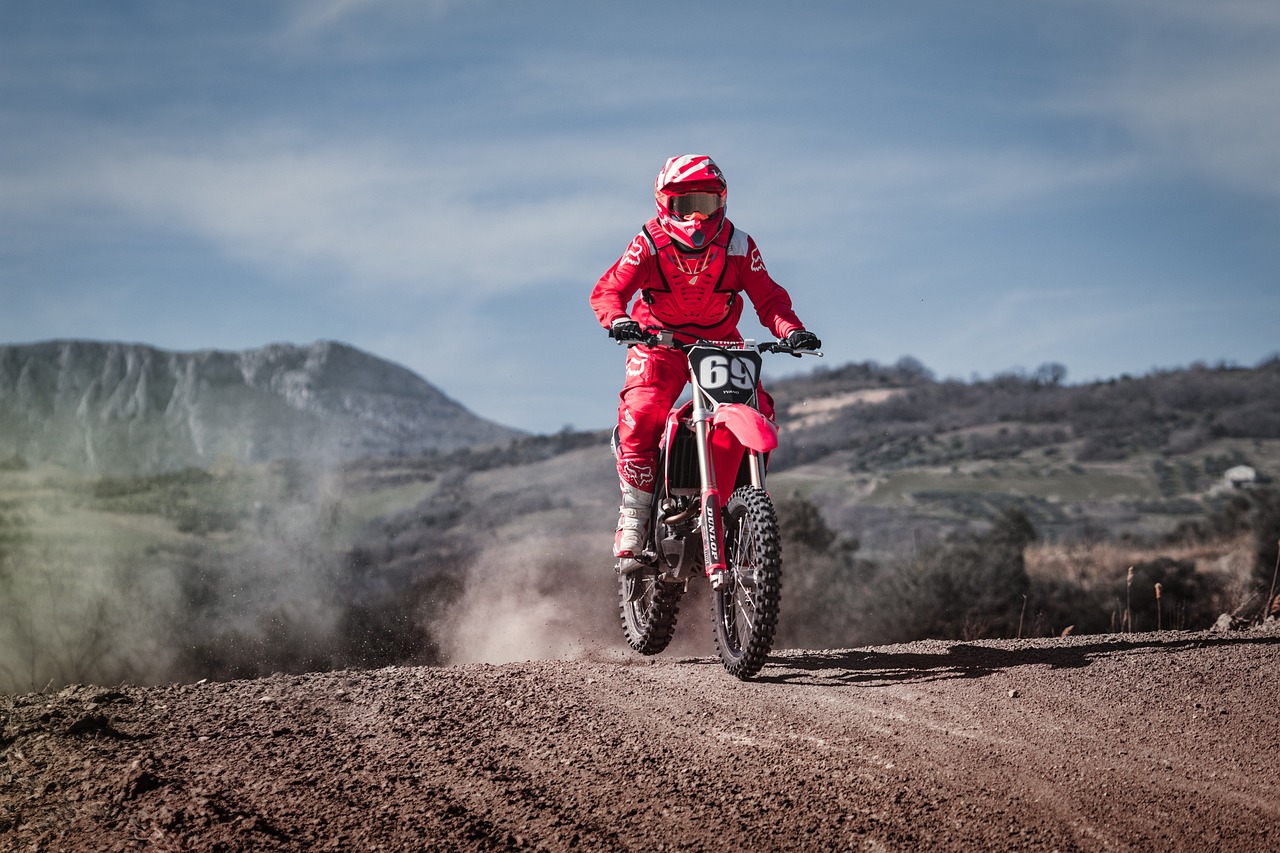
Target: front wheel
pixel 745 608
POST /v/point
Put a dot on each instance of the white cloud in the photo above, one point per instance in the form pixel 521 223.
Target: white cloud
pixel 310 18
pixel 1224 123
pixel 376 216
pixel 957 180
pixel 874 202
pixel 1196 89
pixel 315 15
pixel 1245 16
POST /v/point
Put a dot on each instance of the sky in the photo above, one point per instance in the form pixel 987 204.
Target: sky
pixel 983 186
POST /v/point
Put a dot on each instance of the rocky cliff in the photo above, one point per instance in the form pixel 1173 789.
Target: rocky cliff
pixel 129 408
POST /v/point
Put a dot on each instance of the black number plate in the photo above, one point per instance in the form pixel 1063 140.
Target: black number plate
pixel 727 376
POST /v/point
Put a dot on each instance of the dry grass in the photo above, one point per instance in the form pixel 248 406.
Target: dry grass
pixel 1101 563
pixel 1094 561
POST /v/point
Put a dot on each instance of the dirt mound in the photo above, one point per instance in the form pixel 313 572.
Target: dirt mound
pixel 1123 742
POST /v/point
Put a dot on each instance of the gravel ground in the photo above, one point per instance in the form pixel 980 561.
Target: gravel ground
pixel 1121 742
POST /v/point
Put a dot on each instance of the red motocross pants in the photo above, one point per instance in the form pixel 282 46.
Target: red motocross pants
pixel 656 376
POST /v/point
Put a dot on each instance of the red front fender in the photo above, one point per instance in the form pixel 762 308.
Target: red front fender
pixel 753 429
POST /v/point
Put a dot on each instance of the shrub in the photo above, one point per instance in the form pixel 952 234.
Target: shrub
pixel 1055 605
pixel 1264 521
pixel 202 521
pixel 970 587
pixel 1188 598
pixel 116 487
pixel 1104 447
pixel 801 524
pixel 823 581
pixel 16 462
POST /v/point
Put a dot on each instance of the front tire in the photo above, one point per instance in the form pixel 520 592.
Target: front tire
pixel 745 609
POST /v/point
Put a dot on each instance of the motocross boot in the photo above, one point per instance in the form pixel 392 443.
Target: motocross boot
pixel 633 522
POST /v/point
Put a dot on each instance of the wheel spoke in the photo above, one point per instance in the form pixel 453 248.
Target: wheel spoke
pixel 745 613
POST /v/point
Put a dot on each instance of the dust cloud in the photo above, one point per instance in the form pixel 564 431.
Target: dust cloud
pixel 538 599
pixel 146 586
pixel 553 598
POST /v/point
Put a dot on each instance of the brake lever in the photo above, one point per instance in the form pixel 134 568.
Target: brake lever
pixel 784 347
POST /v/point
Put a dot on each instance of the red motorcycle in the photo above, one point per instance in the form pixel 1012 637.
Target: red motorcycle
pixel 711 515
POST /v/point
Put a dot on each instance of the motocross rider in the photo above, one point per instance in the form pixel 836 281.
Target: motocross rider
pixel 689 265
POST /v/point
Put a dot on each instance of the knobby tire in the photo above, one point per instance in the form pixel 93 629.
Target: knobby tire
pixel 649 605
pixel 649 622
pixel 745 609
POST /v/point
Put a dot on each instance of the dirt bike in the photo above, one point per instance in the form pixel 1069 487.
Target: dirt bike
pixel 711 515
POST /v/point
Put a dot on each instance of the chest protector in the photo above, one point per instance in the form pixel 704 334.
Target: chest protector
pixel 694 294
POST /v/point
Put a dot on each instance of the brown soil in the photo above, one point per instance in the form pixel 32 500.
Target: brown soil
pixel 1122 742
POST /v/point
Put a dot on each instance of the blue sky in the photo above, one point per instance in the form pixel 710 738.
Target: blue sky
pixel 983 186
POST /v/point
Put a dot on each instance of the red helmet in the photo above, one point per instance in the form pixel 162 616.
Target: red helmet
pixel 690 193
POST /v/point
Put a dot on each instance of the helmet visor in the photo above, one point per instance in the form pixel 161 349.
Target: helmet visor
pixel 686 205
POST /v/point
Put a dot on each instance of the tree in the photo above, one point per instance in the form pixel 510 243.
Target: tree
pixel 1050 374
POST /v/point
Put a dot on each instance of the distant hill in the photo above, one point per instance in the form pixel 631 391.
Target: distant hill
pixel 892 453
pixel 110 408
pixel 900 416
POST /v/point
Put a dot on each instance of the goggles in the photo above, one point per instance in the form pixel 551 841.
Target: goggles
pixel 688 204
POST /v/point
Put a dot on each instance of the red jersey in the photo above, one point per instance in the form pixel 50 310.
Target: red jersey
pixel 697 294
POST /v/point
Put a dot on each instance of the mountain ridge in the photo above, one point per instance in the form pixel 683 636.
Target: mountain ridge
pixel 111 407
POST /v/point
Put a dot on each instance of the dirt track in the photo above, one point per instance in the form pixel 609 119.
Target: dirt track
pixel 1136 742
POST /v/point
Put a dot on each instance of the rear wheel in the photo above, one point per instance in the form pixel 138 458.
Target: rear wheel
pixel 745 609
pixel 649 609
pixel 649 605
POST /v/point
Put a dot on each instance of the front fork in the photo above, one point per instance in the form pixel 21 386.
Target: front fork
pixel 712 520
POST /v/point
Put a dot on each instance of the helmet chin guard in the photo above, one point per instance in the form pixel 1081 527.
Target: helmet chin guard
pixel 690 195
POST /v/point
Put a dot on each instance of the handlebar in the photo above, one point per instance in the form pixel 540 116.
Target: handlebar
pixel 667 338
pixel 784 347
